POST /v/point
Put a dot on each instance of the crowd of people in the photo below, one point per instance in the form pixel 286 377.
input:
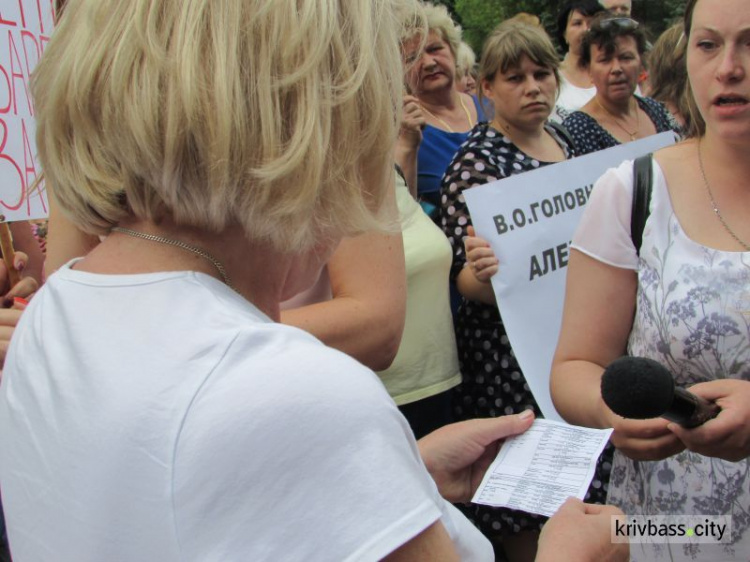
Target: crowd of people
pixel 261 325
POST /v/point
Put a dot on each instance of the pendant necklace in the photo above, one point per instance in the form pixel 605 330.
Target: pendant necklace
pixel 443 123
pixel 183 246
pixel 617 121
pixel 715 207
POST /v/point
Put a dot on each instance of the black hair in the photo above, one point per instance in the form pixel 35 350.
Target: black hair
pixel 586 7
pixel 604 36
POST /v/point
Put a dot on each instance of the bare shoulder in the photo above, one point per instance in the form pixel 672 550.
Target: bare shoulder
pixel 673 159
pixel 682 175
pixel 468 102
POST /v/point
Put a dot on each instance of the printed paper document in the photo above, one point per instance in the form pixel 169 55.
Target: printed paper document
pixel 541 468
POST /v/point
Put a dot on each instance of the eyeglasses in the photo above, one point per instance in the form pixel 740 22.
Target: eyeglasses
pixel 626 24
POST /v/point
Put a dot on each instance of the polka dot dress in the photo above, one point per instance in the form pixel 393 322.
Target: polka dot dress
pixel 589 136
pixel 493 384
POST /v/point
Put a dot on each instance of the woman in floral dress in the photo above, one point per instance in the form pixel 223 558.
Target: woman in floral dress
pixel 683 301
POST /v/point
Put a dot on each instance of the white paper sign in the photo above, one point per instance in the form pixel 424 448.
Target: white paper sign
pixel 538 470
pixel 529 220
pixel 25 29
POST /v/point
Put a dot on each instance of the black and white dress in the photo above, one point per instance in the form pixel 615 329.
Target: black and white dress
pixel 492 383
pixel 589 136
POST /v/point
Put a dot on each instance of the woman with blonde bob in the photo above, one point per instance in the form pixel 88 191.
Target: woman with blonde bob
pixel 152 408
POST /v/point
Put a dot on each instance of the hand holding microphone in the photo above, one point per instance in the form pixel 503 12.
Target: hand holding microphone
pixel 629 389
pixel 640 388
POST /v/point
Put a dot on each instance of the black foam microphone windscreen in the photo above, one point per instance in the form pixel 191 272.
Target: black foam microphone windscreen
pixel 640 388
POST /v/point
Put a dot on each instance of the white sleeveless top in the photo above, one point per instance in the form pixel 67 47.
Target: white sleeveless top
pixel 693 316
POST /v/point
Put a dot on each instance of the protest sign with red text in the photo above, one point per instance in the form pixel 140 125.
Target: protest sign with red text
pixel 25 29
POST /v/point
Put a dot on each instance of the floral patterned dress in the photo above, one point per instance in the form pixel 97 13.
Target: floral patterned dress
pixel 693 316
pixel 492 384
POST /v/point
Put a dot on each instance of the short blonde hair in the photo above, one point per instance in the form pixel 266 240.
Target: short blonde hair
pixel 509 43
pixel 438 20
pixel 465 59
pixel 528 19
pixel 276 115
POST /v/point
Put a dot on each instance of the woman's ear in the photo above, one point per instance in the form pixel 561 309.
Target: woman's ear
pixel 486 87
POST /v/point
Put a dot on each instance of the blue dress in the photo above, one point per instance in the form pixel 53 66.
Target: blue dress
pixel 435 153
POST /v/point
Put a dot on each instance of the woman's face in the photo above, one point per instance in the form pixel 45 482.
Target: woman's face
pixel 718 61
pixel 524 96
pixel 467 84
pixel 431 71
pixel 616 76
pixel 578 25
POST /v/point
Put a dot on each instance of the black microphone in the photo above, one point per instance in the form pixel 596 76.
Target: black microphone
pixel 641 389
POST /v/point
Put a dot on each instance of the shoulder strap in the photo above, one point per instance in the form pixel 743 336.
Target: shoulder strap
pixel 642 176
pixel 563 133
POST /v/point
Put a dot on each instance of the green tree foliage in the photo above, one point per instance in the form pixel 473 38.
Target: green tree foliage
pixel 479 17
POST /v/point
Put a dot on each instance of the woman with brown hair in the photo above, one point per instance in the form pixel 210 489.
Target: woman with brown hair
pixel 611 52
pixel 681 300
pixel 575 84
pixel 519 76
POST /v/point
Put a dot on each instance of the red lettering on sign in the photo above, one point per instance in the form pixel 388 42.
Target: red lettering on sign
pixel 30 44
pixel 30 169
pixel 3 21
pixel 4 72
pixel 9 159
pixel 16 73
pixel 23 14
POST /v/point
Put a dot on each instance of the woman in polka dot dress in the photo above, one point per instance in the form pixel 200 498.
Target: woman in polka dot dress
pixel 519 76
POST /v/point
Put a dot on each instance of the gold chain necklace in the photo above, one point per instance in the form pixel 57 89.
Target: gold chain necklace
pixel 715 207
pixel 443 123
pixel 183 246
pixel 617 120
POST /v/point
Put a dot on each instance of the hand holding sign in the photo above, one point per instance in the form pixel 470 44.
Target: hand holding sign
pixel 528 220
pixel 480 257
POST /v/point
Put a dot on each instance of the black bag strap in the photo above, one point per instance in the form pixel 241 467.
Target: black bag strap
pixel 642 177
pixel 563 133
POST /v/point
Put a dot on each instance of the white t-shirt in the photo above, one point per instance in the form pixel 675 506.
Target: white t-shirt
pixel 163 417
pixel 571 98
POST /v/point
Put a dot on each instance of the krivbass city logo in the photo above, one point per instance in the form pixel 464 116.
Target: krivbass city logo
pixel 695 529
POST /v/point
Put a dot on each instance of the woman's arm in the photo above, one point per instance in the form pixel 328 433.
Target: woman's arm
pixel 597 319
pixel 365 318
pixel 409 139
pixel 464 173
